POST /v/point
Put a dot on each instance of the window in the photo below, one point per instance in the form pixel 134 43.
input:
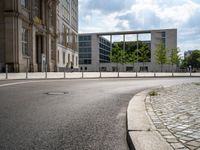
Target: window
pixel 63 58
pixel 52 49
pixel 51 17
pixel 24 41
pixel 163 34
pixel 24 3
pixel 76 61
pixel 38 8
pixel 69 58
pixel 58 57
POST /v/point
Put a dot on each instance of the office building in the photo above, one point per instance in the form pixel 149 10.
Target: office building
pixel 92 52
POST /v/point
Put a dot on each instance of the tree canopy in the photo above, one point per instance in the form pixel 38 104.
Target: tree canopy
pixel 193 59
pixel 160 55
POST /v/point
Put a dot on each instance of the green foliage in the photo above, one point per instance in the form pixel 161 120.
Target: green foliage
pixel 134 51
pixel 193 60
pixel 118 55
pixel 131 58
pixel 174 56
pixel 153 93
pixel 143 53
pixel 160 55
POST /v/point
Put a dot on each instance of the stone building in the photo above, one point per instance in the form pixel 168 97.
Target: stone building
pixel 31 34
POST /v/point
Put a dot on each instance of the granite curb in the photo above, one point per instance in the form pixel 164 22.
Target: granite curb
pixel 141 132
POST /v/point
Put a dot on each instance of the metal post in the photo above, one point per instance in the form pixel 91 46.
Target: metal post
pixel 190 67
pixel 137 56
pixel 82 74
pixel 124 46
pixel 45 71
pixel 27 68
pixel 64 73
pixel 6 71
pixel 99 69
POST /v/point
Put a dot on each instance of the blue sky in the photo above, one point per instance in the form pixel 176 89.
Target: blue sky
pixel 125 15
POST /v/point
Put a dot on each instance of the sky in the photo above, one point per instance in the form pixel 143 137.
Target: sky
pixel 128 15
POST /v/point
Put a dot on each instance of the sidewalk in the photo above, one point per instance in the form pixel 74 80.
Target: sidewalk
pixel 171 116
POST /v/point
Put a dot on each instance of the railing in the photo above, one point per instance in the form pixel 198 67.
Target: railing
pixel 79 75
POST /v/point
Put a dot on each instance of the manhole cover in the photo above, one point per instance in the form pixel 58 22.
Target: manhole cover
pixel 57 93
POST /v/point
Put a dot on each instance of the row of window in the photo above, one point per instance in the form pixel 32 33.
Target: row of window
pixel 86 55
pixel 85 38
pixel 104 61
pixel 104 46
pixel 84 49
pixel 103 57
pixel 85 61
pixel 86 44
pixel 104 52
pixel 68 62
pixel 104 41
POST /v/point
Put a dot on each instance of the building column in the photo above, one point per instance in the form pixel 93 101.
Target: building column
pixel 12 42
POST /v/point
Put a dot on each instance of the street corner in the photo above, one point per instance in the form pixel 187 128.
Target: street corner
pixel 141 131
pixel 175 113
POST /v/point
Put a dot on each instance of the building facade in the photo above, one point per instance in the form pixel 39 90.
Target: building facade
pixel 91 43
pixel 31 34
pixel 93 51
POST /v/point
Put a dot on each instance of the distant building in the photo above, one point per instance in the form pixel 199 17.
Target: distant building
pixel 94 48
pixel 40 32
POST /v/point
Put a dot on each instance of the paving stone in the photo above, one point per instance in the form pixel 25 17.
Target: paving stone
pixel 177 145
pixel 179 112
pixel 194 143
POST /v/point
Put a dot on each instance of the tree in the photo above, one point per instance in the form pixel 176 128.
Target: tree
pixel 194 59
pixel 160 55
pixel 143 54
pixel 131 58
pixel 174 57
pixel 118 56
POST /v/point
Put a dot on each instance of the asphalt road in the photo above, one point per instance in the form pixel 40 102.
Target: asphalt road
pixel 75 115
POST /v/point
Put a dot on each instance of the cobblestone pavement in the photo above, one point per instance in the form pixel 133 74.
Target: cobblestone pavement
pixel 175 112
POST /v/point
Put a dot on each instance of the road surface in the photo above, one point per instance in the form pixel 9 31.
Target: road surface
pixel 87 114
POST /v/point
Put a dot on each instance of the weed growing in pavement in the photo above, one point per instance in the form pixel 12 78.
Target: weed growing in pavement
pixel 153 93
pixel 198 84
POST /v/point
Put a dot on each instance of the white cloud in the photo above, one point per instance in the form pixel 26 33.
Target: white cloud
pixel 145 14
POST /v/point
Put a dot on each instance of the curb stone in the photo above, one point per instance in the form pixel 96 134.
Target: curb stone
pixel 142 134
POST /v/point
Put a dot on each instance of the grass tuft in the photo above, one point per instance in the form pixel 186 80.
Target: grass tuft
pixel 153 93
pixel 198 84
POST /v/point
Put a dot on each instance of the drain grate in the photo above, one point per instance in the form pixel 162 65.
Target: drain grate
pixel 57 93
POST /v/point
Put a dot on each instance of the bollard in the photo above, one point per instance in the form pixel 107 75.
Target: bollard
pixel 27 69
pixel 64 73
pixel 82 75
pixel 6 71
pixel 45 71
pixel 190 67
pixel 154 74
